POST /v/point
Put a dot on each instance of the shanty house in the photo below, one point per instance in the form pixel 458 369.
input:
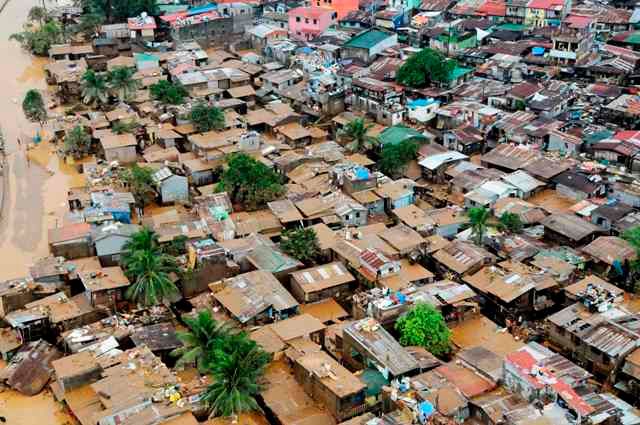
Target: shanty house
pixel 119 147
pixel 255 297
pixel 105 286
pixel 321 282
pixel 172 187
pixel 110 239
pixel 366 343
pixel 71 241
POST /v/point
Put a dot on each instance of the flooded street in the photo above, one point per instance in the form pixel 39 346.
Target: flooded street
pixel 33 196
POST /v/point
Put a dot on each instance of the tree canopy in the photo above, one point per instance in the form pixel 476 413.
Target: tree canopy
pixel 168 92
pixel 120 10
pixel 33 106
pixel 77 141
pixel 38 39
pixel 301 244
pixel 140 181
pixel 121 127
pixel 511 222
pixel 395 157
pixel 206 118
pixel 424 326
pixel 425 67
pixel 250 182
pixel 478 218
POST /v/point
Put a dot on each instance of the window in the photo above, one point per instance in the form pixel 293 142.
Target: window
pixel 306 20
pixel 315 22
pixel 298 20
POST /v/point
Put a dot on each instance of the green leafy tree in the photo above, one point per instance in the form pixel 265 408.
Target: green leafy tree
pixel 356 131
pixel 122 83
pixel 204 334
pixel 424 67
pixel 301 244
pixel 250 182
pixel 39 39
pixel 177 247
pixel 140 181
pixel 89 23
pixel 394 158
pixel 149 270
pixel 169 93
pixel 206 118
pixel 478 218
pixel 120 10
pixel 236 379
pixel 77 141
pixel 122 127
pixel 33 107
pixel 38 14
pixel 94 88
pixel 424 326
pixel 511 222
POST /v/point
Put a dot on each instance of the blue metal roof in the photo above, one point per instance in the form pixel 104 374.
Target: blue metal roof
pixel 202 9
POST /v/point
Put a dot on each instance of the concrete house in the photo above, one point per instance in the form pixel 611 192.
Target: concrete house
pixel 367 45
pixel 110 239
pixel 172 187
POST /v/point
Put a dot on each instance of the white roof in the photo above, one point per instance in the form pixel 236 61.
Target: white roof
pixel 522 181
pixel 434 161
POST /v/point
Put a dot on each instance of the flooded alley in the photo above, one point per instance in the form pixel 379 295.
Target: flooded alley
pixel 33 193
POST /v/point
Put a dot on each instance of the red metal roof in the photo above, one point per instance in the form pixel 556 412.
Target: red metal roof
pixel 578 21
pixel 546 4
pixel 492 8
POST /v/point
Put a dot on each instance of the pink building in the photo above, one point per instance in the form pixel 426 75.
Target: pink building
pixel 305 23
pixel 342 7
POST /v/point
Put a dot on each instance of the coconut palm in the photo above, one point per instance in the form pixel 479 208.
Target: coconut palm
pixel 143 240
pixel 94 88
pixel 122 83
pixel 149 270
pixel 203 334
pixel 478 218
pixel 356 131
pixel 236 381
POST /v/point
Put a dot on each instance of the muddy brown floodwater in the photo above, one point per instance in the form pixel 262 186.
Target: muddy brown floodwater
pixel 34 196
pixel 35 191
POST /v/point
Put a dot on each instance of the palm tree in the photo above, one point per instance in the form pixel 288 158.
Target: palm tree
pixel 356 131
pixel 203 334
pixel 122 82
pixel 150 269
pixel 94 88
pixel 236 381
pixel 143 240
pixel 478 218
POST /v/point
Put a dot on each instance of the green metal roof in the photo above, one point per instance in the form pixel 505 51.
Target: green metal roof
pixel 399 133
pixel 367 39
pixel 459 72
pixel 144 57
pixel 511 27
pixel 634 38
pixel 172 8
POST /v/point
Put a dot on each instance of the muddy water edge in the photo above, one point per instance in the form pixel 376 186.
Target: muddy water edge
pixel 34 190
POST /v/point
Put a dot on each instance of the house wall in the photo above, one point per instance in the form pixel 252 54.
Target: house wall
pixel 341 7
pixel 124 155
pixel 202 178
pixel 77 248
pixel 301 27
pixel 570 192
pixel 355 218
pixel 312 296
pixel 627 198
pixel 109 248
